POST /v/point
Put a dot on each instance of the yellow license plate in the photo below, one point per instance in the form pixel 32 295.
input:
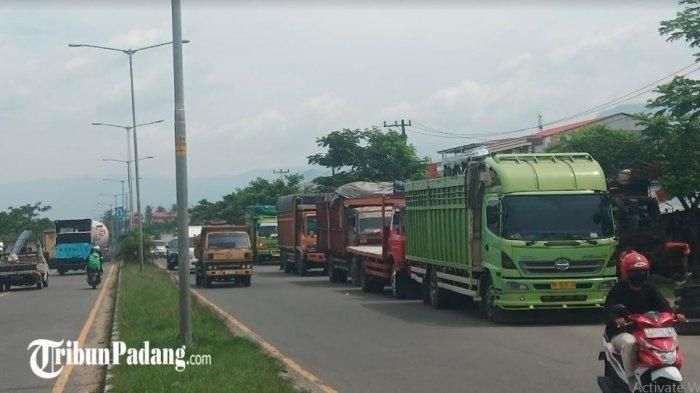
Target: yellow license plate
pixel 564 285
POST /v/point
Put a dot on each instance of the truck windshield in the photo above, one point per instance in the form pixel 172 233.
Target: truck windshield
pixel 370 225
pixel 557 217
pixel 267 231
pixel 311 224
pixel 226 240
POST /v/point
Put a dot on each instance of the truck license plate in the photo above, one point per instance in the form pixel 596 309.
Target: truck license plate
pixel 660 332
pixel 563 285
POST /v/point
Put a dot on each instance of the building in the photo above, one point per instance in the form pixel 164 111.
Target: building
pixel 538 142
pixel 164 217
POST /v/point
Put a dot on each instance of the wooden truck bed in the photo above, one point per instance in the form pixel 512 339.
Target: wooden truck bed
pixel 373 250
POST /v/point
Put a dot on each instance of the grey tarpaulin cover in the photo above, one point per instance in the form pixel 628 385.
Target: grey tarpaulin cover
pixel 363 189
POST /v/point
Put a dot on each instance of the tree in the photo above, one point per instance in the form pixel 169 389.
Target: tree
pixel 232 206
pixel 148 214
pixel 25 217
pixel 614 149
pixel 366 155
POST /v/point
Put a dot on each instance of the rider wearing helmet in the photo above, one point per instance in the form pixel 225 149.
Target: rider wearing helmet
pixel 94 261
pixel 637 296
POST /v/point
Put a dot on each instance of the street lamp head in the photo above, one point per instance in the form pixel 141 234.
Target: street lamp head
pixel 185 41
pixel 96 124
pixel 75 45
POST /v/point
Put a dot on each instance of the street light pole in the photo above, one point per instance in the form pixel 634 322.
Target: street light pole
pixel 115 226
pixel 130 53
pixel 181 176
pixel 123 197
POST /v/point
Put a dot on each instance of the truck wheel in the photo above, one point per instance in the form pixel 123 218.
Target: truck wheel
pixel 487 308
pixel 2 287
pixel 301 265
pixel 435 293
pixel 355 275
pixel 207 282
pixel 61 272
pixel 398 283
pixel 39 283
pixel 369 284
pixel 46 280
pixel 245 281
pixel 332 273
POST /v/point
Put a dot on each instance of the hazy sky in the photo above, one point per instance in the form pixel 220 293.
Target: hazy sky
pixel 262 82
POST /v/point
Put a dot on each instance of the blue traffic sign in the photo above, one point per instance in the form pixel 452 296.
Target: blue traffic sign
pixel 119 211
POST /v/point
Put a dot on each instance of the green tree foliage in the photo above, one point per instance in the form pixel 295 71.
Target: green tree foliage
pixel 25 217
pixel 614 149
pixel 366 155
pixel 232 206
pixel 148 215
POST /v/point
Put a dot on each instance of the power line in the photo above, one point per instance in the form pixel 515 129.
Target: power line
pixel 626 97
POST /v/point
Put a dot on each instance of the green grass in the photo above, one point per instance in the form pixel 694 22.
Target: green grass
pixel 148 311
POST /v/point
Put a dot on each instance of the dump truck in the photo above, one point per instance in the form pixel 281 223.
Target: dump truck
pixel 296 222
pixel 74 241
pixel 224 254
pixel 262 225
pixel 513 232
pixel 23 265
pixel 353 215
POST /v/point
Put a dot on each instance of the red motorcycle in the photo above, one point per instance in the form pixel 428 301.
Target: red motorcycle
pixel 659 359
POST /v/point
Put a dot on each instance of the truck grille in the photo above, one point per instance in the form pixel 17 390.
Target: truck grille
pixel 548 267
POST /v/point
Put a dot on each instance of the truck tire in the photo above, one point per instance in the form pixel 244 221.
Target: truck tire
pixel 399 283
pixel 207 282
pixel 46 280
pixel 332 273
pixel 369 284
pixel 436 295
pixel 488 297
pixel 301 265
pixel 61 272
pixel 355 275
pixel 39 283
pixel 245 281
pixel 2 287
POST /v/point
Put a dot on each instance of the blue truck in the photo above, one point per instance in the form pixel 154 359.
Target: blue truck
pixel 74 239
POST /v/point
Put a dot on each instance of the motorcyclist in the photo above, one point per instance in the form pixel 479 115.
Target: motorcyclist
pixel 638 296
pixel 94 262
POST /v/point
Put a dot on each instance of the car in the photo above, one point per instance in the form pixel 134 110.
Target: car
pixel 172 255
pixel 159 248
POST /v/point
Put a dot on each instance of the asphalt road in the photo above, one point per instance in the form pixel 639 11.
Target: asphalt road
pixel 357 342
pixel 57 312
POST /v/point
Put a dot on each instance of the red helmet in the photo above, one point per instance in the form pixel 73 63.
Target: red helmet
pixel 633 261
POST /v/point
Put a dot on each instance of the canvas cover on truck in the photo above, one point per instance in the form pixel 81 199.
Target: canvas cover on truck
pixel 362 189
pixel 261 210
pixel 285 204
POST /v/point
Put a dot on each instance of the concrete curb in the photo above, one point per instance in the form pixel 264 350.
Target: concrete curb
pixel 107 385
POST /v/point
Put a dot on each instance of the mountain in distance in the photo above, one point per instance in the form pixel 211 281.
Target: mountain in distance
pixel 78 197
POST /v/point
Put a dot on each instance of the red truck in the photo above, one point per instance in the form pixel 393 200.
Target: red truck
pixel 385 263
pixel 296 225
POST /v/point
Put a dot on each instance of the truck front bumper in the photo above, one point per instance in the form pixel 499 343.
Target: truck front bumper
pixel 228 272
pixel 588 293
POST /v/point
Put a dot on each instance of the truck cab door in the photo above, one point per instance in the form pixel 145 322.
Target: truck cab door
pixel 491 231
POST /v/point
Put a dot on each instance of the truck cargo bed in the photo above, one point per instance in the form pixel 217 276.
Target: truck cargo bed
pixel 373 250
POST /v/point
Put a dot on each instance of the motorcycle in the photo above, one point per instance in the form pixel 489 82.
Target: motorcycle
pixel 659 357
pixel 94 278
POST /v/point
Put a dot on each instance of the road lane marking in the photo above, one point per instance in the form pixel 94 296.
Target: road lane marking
pixel 308 375
pixel 63 378
pixel 268 347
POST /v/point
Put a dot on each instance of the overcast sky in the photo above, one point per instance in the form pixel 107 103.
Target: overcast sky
pixel 262 82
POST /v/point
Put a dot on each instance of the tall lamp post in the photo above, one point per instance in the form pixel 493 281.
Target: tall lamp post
pixel 128 158
pixel 130 53
pixel 115 224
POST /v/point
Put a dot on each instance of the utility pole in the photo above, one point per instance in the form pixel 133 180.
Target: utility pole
pixel 539 121
pixel 181 178
pixel 403 125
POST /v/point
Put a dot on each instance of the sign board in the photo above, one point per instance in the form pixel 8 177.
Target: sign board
pixel 119 211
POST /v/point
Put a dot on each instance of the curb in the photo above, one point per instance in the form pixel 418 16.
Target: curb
pixel 114 333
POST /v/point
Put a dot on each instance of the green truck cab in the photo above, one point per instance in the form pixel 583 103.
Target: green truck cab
pixel 262 225
pixel 514 232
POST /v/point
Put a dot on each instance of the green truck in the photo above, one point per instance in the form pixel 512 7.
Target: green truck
pixel 262 224
pixel 513 232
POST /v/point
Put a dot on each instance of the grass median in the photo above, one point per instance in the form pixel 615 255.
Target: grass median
pixel 148 311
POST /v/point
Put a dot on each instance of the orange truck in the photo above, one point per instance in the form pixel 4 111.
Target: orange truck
pixel 224 254
pixel 296 224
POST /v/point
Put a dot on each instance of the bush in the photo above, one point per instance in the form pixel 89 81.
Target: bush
pixel 128 249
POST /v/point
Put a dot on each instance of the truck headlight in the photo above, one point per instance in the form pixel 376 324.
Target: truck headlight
pixel 515 286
